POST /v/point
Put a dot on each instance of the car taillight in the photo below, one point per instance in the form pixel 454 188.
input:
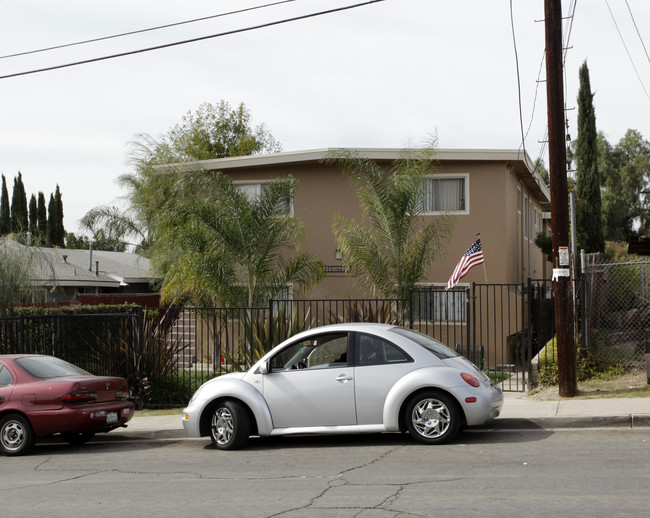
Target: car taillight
pixel 470 380
pixel 123 393
pixel 78 397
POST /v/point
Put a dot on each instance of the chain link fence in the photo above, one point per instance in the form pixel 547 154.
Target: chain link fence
pixel 616 306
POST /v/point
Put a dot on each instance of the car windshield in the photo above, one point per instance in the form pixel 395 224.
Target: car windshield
pixel 49 367
pixel 440 350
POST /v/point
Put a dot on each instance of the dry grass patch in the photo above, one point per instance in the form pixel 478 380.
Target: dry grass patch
pixel 629 385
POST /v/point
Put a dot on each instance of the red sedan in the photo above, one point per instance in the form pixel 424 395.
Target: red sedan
pixel 43 395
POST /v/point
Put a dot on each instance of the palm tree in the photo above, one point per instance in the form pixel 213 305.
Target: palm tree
pixel 391 247
pixel 226 247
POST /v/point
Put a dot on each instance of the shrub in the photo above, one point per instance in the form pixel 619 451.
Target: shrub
pixel 589 365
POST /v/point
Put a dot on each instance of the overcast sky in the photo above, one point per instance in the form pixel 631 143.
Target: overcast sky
pixel 375 76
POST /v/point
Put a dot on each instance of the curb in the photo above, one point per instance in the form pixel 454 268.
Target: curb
pixel 631 421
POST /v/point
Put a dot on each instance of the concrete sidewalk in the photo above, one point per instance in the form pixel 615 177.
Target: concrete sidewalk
pixel 518 412
pixel 574 413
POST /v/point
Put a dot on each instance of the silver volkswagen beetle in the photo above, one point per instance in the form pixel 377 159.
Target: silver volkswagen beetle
pixel 346 378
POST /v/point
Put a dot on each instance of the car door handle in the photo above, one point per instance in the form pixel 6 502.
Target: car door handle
pixel 343 377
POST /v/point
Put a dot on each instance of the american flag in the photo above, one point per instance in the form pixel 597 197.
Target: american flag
pixel 470 259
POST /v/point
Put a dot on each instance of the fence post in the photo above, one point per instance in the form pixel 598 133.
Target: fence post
pixel 468 314
pixel 473 330
pixel 271 337
pixel 529 335
pixel 410 308
pixel 584 303
pixel 21 334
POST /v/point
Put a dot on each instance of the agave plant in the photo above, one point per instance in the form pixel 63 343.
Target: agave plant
pixel 378 311
pixel 262 333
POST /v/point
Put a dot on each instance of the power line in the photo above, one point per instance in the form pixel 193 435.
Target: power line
pixel 139 31
pixel 539 75
pixel 637 29
pixel 514 42
pixel 193 40
pixel 626 50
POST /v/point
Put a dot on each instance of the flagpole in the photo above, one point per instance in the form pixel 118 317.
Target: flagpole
pixel 478 236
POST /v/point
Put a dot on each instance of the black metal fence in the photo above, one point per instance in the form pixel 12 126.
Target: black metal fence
pixel 166 353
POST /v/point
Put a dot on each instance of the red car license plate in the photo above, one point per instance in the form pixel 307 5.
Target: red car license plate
pixel 111 417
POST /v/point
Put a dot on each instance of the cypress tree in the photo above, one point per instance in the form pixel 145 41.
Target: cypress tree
pixel 58 207
pixel 19 217
pixel 55 230
pixel 5 218
pixel 33 216
pixel 589 223
pixel 51 223
pixel 41 218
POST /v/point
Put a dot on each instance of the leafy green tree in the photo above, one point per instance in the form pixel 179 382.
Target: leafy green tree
pixel 212 131
pixel 626 180
pixel 229 247
pixel 589 226
pixel 5 213
pixel 392 246
pixel 540 167
pixel 217 131
pixel 19 216
pixel 74 242
pixel 99 240
pixel 15 261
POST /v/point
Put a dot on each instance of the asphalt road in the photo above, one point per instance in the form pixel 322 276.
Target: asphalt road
pixel 483 473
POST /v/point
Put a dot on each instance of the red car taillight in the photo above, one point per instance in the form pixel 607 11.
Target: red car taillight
pixel 470 380
pixel 123 393
pixel 78 397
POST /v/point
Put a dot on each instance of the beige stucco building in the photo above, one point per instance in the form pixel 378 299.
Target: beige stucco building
pixel 496 193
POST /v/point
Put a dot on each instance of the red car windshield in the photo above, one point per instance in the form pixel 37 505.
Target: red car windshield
pixel 49 367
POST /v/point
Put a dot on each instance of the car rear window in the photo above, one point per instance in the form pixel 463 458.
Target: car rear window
pixel 49 367
pixel 440 350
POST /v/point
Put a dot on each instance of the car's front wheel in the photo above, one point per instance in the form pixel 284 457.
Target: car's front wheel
pixel 432 417
pixel 16 435
pixel 229 425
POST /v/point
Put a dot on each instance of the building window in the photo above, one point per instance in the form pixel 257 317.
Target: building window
pixel 526 220
pixel 445 194
pixel 518 200
pixel 255 189
pixel 434 304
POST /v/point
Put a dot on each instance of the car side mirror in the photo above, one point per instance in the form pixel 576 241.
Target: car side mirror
pixel 265 368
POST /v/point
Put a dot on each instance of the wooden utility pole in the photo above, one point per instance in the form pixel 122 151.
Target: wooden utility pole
pixel 566 351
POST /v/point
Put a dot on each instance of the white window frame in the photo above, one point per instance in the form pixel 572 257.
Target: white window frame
pixel 451 176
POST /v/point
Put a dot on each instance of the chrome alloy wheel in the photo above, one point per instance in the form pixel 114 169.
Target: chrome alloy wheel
pixel 431 418
pixel 223 426
pixel 13 436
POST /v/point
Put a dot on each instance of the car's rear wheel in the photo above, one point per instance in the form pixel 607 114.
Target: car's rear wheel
pixel 77 438
pixel 230 425
pixel 432 417
pixel 16 435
